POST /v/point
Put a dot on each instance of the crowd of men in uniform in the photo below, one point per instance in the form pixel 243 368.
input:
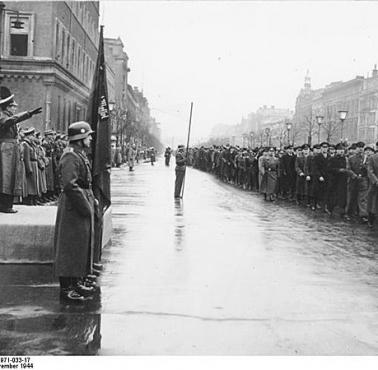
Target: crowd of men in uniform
pixel 37 182
pixel 34 169
pixel 28 160
pixel 131 154
pixel 337 179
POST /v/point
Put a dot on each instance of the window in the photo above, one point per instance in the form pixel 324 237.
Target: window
pixel 72 62
pixel 87 69
pixel 78 62
pixel 59 112
pixel 77 111
pixel 19 36
pixel 63 46
pixel 57 45
pixel 69 113
pixel 64 115
pixel 68 50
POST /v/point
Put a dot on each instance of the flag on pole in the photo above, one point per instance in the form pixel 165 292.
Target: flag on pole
pixel 99 119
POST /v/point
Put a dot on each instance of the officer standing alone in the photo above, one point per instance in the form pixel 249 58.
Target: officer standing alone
pixel 180 170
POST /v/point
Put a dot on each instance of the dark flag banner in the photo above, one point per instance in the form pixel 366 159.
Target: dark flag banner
pixel 99 119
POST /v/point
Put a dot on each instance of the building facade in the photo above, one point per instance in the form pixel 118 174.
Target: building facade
pixel 266 126
pixel 118 59
pixel 117 76
pixel 359 97
pixel 49 59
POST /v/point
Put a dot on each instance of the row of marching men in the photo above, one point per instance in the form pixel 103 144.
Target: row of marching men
pixel 334 178
pixel 37 181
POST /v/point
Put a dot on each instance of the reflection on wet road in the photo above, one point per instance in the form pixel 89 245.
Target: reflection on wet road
pixel 221 272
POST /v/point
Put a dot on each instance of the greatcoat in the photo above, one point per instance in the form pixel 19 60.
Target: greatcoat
pixel 337 182
pixel 49 170
pixel 31 167
pixel 372 169
pixel 270 178
pixel 9 149
pixel 301 180
pixel 74 227
pixel 319 169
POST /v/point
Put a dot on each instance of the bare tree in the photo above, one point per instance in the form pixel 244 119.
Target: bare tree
pixel 330 126
pixel 310 128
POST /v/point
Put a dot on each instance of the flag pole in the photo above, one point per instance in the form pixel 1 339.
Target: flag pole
pixel 187 147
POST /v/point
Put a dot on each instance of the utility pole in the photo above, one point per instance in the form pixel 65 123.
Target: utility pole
pixel 2 7
pixel 187 147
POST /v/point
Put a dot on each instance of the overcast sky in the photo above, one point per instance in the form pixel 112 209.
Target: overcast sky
pixel 230 58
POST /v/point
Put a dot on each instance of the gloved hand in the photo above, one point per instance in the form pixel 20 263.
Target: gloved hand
pixel 35 111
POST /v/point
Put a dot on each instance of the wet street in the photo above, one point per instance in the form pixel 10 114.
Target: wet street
pixel 220 273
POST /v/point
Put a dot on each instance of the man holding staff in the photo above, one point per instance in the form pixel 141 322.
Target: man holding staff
pixel 180 170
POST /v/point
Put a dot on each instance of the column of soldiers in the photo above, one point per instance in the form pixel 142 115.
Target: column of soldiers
pixel 336 179
pixel 38 166
pixel 28 161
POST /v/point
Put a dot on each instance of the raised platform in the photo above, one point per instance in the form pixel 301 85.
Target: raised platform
pixel 28 236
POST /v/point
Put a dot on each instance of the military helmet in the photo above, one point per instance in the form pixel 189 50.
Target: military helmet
pixel 79 130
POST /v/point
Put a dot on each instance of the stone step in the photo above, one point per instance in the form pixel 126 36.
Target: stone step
pixel 28 235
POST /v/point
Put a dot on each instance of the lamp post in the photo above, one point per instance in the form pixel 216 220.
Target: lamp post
pixel 342 116
pixel 319 120
pixel 252 135
pixel 123 120
pixel 112 109
pixel 288 126
pixel 267 133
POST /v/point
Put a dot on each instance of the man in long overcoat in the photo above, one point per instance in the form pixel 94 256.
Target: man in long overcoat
pixel 9 148
pixel 319 173
pixel 167 155
pixel 301 178
pixel 337 181
pixel 74 229
pixel 288 173
pixel 131 157
pixel 48 144
pixel 358 183
pixel 31 168
pixel 372 170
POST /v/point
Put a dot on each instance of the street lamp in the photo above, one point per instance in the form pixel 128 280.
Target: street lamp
pixel 267 133
pixel 342 116
pixel 113 118
pixel 252 134
pixel 319 120
pixel 288 126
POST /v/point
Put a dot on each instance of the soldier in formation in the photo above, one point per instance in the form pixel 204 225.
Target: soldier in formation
pixel 338 180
